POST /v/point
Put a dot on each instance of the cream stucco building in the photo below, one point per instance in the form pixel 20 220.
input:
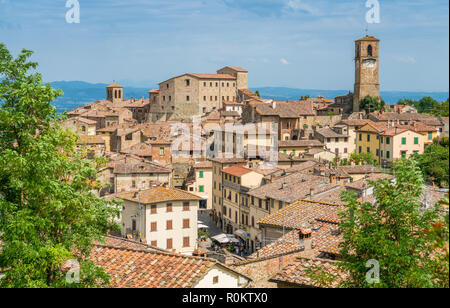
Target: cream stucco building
pixel 163 217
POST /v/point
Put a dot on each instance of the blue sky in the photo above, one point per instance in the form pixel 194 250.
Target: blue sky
pixel 294 43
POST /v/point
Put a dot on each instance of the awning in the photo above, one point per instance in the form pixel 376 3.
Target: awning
pixel 241 233
pixel 225 239
pixel 202 226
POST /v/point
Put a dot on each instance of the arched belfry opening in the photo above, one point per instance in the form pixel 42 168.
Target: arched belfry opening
pixel 370 51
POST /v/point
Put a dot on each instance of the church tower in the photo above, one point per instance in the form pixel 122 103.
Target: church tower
pixel 367 67
pixel 114 93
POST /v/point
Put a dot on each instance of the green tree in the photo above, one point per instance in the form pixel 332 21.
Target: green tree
pixel 257 93
pixel 395 232
pixel 441 109
pixel 371 104
pixel 426 104
pixel 48 213
pixel 434 162
pixel 364 158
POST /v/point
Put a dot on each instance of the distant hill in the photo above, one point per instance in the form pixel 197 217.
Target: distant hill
pixel 390 97
pixel 79 93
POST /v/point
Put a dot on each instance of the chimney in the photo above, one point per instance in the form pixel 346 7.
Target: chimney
pixel 311 193
pixel 396 130
pixel 305 238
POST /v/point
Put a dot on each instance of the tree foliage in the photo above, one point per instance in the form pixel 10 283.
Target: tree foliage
pixel 371 104
pixel 48 213
pixel 429 105
pixel 396 232
pixel 434 162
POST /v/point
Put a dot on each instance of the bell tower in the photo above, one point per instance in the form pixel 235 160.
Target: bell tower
pixel 367 65
pixel 114 93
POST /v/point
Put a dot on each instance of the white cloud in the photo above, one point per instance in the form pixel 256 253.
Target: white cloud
pixel 300 5
pixel 284 61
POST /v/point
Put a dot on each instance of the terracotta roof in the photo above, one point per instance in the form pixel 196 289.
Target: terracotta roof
pixel 224 160
pixel 363 183
pixel 394 131
pixel 368 38
pixel 445 120
pixel 203 165
pixel 159 194
pixel 212 76
pixel 96 139
pixel 237 69
pixel 131 268
pixel 302 166
pixel 329 133
pixel 300 143
pixel 114 85
pixel 154 91
pixel 296 273
pixel 295 215
pixel 292 188
pixel 355 122
pixel 140 149
pixel 236 170
pixel 140 168
pixel 119 242
pixel 84 120
pixel 285 109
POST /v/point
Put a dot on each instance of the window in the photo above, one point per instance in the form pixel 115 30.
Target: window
pixel 215 186
pixel 403 154
pixel 360 137
pixel 368 138
pixel 404 140
pixel 328 139
pixel 215 279
pixel 169 244
pixel 153 227
pixel 260 203
pixel 416 140
pixel 368 150
pixel 382 154
pixel 200 175
pixel 236 217
pixel 133 225
pixel 186 241
pixel 161 151
pixel 129 137
pixel 169 225
pixel 185 223
pixel 186 206
pixel 253 221
pixel 388 140
pixel 201 188
pixel 187 98
pixel 204 98
pixel 336 139
pixel 204 84
pixel 360 149
pixel 378 152
pixel 188 82
pixel 133 184
pixel 345 150
pixel 169 207
pixel 388 154
pixel 153 209
pixel 370 51
pixel 381 139
pixel 430 136
pixel 154 243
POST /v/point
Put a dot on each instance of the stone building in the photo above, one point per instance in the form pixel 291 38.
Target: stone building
pixel 188 95
pixel 367 68
pixel 163 217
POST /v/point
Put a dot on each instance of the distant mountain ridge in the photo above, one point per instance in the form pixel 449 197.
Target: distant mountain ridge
pixel 79 93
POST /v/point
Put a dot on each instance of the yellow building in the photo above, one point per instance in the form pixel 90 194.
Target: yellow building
pixel 368 139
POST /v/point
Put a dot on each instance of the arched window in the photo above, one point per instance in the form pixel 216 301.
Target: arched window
pixel 369 51
pixel 115 93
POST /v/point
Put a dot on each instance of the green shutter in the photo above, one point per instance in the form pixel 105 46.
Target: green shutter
pixel 404 140
pixel 388 154
pixel 201 174
pixel 416 140
pixel 202 188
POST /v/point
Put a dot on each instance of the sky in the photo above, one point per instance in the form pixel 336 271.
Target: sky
pixel 307 44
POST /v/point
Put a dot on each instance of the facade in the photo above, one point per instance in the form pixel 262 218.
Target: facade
pixel 217 184
pixel 188 95
pixel 367 68
pixel 200 182
pixel 142 174
pixel 163 217
pixel 80 126
pixel 237 181
pixel 336 140
pixel 398 143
